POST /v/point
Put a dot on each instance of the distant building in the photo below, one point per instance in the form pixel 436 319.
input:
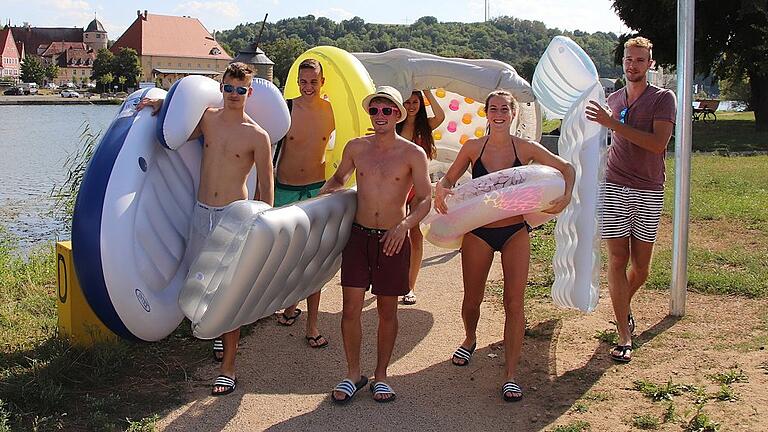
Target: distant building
pixel 609 85
pixel 254 57
pixel 73 50
pixel 172 47
pixel 661 78
pixel 10 59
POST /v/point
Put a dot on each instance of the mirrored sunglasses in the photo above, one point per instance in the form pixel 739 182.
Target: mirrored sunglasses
pixel 229 88
pixel 623 114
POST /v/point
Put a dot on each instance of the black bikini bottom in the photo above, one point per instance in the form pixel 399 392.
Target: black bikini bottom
pixel 498 236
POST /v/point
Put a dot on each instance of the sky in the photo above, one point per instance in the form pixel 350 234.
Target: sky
pixel 117 15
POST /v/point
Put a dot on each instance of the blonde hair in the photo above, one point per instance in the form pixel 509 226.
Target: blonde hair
pixel 640 42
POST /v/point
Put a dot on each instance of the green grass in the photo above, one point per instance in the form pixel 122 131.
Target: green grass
pixel 47 384
pixel 645 422
pixel 726 394
pixel 732 132
pixel 701 422
pixel 725 188
pixel 580 407
pixel 732 375
pixel 658 392
pixel 577 426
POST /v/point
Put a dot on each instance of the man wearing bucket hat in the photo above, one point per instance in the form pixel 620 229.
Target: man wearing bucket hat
pixel 377 254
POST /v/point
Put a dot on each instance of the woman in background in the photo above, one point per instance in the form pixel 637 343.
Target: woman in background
pixel 417 127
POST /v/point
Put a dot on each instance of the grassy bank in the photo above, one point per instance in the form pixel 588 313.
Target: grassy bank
pixel 732 132
pixel 728 231
pixel 47 384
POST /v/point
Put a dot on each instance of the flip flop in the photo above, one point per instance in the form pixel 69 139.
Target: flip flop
pixel 622 353
pixel 349 388
pixel 289 320
pixel 465 354
pixel 409 298
pixel 511 387
pixel 224 381
pixel 382 388
pixel 316 340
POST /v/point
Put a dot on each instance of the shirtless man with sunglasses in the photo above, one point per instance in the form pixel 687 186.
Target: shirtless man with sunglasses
pixel 377 254
pixel 233 144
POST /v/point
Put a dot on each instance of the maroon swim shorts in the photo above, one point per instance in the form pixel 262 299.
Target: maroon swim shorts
pixel 363 263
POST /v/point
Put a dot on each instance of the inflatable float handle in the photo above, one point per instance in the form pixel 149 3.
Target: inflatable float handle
pixel 183 108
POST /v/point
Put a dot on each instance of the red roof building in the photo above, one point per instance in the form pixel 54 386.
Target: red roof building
pixel 10 60
pixel 171 47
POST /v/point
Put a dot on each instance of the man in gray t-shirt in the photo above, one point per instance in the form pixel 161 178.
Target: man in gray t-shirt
pixel 642 117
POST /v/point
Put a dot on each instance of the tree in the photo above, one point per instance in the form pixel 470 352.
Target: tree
pixel 730 40
pixel 284 52
pixel 122 80
pixel 127 64
pixel 32 70
pixel 105 80
pixel 736 89
pixel 51 71
pixel 102 65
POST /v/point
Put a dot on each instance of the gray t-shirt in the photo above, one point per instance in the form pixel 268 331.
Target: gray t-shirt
pixel 629 164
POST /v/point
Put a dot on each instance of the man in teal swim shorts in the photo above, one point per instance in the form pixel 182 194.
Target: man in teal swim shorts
pixel 300 173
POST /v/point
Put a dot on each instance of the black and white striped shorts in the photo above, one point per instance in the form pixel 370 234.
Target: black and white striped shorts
pixel 629 212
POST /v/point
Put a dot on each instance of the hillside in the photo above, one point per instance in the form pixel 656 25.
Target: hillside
pixel 517 42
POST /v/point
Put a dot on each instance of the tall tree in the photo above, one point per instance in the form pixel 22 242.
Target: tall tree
pixel 32 70
pixel 731 40
pixel 51 71
pixel 102 65
pixel 284 52
pixel 128 65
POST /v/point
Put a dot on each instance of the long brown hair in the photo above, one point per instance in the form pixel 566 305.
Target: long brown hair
pixel 421 129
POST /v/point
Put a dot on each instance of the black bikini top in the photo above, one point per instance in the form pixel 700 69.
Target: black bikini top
pixel 479 170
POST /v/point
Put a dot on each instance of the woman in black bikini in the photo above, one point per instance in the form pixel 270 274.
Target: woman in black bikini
pixel 496 151
pixel 417 127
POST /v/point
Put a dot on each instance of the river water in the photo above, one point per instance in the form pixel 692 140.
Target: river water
pixel 34 143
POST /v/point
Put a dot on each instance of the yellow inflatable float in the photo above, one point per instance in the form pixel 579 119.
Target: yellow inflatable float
pixel 347 83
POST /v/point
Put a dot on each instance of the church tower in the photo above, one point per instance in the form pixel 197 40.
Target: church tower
pixel 95 37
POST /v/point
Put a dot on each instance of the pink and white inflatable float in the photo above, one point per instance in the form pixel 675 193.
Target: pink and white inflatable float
pixel 524 190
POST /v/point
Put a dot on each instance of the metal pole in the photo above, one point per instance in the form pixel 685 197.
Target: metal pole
pixel 679 283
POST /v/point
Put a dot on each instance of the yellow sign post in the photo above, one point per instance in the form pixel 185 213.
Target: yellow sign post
pixel 77 321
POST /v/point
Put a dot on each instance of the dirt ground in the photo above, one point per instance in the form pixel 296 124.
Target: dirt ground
pixel 565 369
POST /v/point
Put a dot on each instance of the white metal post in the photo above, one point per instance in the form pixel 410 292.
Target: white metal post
pixel 683 141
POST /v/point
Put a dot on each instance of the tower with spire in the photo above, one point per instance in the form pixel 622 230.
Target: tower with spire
pixel 95 37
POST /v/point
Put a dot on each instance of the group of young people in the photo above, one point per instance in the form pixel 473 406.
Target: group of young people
pixel 394 194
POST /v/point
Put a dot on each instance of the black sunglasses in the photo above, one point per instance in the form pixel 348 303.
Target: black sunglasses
pixel 229 88
pixel 387 111
pixel 623 114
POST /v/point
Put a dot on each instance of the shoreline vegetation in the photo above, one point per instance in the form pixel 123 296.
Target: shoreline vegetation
pixel 47 384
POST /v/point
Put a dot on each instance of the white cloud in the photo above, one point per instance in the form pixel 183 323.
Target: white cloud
pixel 335 14
pixel 79 12
pixel 68 5
pixel 204 9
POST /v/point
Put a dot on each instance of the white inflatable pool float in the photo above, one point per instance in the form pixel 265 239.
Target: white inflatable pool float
pixel 258 260
pixel 524 190
pixel 565 81
pixel 132 213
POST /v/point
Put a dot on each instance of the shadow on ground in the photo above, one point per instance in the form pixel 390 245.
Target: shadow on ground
pixel 275 360
pixel 439 397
